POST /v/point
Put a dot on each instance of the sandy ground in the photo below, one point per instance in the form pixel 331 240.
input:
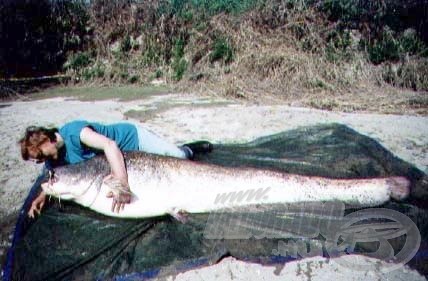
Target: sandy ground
pixel 182 118
pixel 309 269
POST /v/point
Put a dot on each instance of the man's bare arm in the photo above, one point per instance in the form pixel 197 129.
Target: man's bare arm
pixel 117 164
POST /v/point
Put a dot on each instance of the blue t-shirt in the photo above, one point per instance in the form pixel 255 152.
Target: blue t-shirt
pixel 124 134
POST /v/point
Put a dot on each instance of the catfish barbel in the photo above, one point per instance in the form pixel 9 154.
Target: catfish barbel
pixel 164 185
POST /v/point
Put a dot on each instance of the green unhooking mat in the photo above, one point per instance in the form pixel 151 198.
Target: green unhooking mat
pixel 68 242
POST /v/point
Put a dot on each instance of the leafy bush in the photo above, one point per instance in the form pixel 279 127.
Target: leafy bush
pixel 124 75
pixel 412 44
pixel 179 63
pixel 125 44
pixel 386 48
pixel 78 61
pixel 346 10
pixel 389 33
pixel 158 73
pixel 96 71
pixel 392 46
pixel 338 46
pixel 178 51
pixel 179 67
pixel 133 79
pixel 222 50
pixel 152 53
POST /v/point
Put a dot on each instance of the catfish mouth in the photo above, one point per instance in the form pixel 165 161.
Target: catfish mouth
pixel 49 178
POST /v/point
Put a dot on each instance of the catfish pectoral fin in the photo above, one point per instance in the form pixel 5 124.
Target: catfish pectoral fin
pixel 180 215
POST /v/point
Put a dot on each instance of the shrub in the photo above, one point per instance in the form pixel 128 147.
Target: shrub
pixel 77 61
pixel 158 73
pixel 179 63
pixel 392 46
pixel 386 48
pixel 178 51
pixel 411 44
pixel 179 67
pixel 124 74
pixel 96 71
pixel 412 74
pixel 345 10
pixel 152 53
pixel 125 44
pixel 133 79
pixel 339 46
pixel 382 23
pixel 222 50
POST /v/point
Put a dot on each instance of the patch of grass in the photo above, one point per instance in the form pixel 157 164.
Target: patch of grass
pixel 418 102
pixel 141 115
pixel 232 90
pixel 125 93
pixel 206 8
pixel 179 63
pixel 152 53
pixel 147 114
pixel 319 83
pixel 412 74
pixel 226 6
pixel 324 104
pixel 179 67
pixel 338 46
pixel 222 50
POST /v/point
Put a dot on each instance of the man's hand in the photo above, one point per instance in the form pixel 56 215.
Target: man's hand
pixel 120 193
pixel 118 180
pixel 37 205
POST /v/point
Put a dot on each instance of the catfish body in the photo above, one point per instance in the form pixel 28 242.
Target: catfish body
pixel 164 185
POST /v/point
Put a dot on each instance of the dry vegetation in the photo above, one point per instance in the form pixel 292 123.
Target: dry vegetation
pixel 327 54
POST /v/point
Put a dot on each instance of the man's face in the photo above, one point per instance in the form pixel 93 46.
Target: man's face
pixel 49 151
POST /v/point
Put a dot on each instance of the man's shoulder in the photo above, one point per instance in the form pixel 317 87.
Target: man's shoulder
pixel 73 127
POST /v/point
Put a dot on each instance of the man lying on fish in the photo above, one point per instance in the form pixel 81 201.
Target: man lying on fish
pixel 80 140
pixel 160 179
